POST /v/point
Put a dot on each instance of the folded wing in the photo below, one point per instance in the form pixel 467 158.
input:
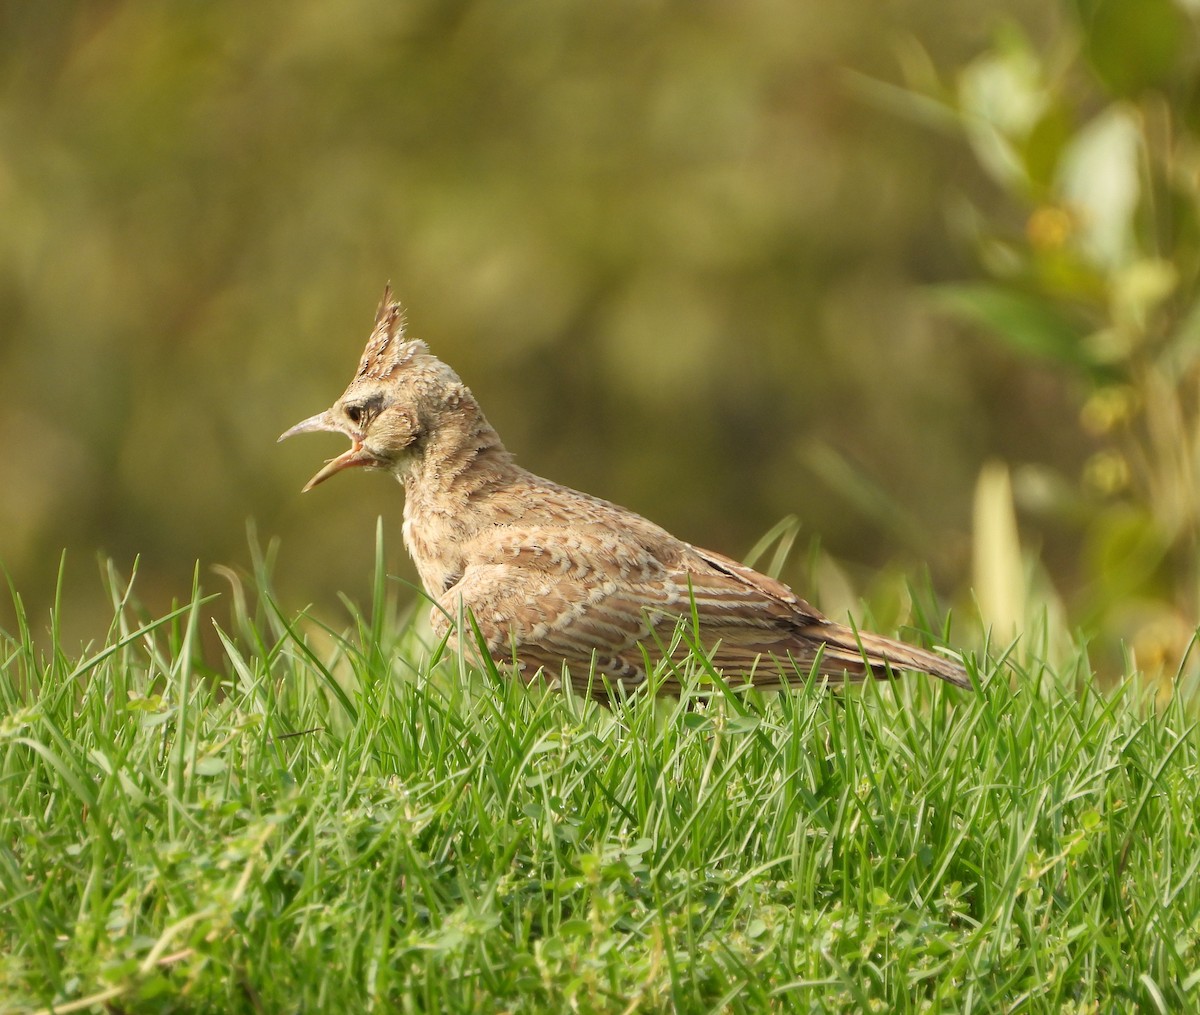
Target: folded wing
pixel 546 598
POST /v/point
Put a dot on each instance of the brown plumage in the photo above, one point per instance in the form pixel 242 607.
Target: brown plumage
pixel 555 576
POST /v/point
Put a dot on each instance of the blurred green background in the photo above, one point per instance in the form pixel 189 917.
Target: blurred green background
pixel 692 257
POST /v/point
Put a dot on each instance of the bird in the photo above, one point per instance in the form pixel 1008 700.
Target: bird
pixel 559 582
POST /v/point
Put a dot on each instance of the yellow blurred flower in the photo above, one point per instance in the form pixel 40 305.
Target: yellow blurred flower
pixel 1107 408
pixel 1107 472
pixel 1049 227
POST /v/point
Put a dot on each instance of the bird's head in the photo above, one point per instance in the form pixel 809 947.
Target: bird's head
pixel 391 405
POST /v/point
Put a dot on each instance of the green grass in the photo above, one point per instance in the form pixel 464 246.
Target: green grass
pixel 308 821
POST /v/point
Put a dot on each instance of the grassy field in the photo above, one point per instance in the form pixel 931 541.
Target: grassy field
pixel 310 820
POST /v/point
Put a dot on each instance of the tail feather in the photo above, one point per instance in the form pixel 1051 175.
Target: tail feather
pixel 847 650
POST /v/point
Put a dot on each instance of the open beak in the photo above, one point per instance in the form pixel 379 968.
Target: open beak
pixel 356 456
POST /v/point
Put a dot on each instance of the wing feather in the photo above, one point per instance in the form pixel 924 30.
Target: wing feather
pixel 596 603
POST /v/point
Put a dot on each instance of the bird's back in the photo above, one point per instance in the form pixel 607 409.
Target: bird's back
pixel 557 577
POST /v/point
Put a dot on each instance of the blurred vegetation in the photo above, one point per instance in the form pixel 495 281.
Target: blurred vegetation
pixel 696 258
pixel 1094 269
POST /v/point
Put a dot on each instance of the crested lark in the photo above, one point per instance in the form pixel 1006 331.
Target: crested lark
pixel 554 576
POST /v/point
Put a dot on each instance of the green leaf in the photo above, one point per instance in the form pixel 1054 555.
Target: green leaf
pixel 1029 326
pixel 1132 44
pixel 574 928
pixel 740 724
pixel 210 766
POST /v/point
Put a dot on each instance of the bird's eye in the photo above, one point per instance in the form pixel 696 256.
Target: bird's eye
pixel 362 412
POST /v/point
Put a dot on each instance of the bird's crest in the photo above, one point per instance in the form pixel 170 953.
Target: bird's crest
pixel 386 349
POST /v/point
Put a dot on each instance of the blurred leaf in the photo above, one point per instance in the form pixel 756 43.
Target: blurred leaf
pixel 1126 547
pixel 210 766
pixel 1100 182
pixel 1045 143
pixel 863 492
pixel 926 109
pixel 1132 44
pixel 1139 288
pixel 1171 218
pixel 1027 324
pixel 917 65
pixel 1002 97
pixel 999 572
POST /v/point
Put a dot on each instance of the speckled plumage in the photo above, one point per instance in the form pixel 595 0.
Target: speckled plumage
pixel 553 576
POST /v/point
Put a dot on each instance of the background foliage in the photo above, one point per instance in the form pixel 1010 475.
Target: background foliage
pixel 719 262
